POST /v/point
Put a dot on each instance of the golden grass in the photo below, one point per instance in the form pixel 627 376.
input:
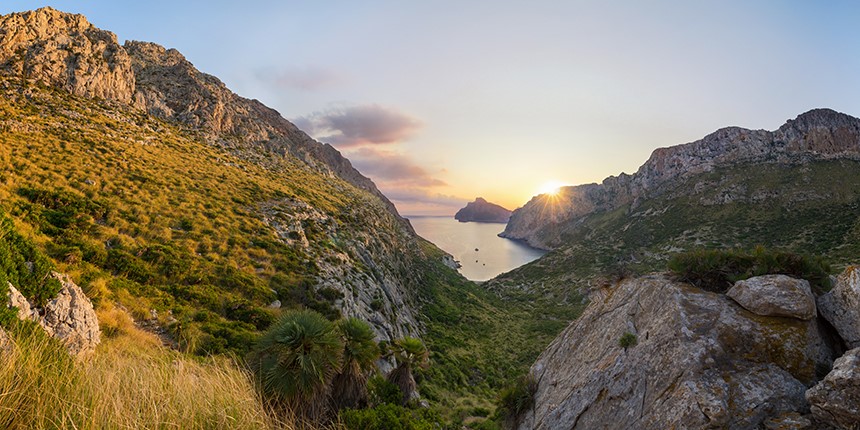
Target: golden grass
pixel 129 383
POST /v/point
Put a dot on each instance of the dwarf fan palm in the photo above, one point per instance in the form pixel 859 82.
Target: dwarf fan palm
pixel 409 353
pixel 349 387
pixel 296 360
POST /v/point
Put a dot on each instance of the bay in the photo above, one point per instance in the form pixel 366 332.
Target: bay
pixel 476 245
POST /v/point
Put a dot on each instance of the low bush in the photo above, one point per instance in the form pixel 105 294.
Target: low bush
pixel 390 417
pixel 515 399
pixel 627 340
pixel 717 270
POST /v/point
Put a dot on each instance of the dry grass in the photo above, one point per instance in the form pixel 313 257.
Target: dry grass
pixel 130 383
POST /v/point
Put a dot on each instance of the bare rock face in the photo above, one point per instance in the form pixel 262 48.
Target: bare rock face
pixel 25 310
pixel 66 51
pixel 815 135
pixel 700 361
pixel 70 317
pixel 836 399
pixel 841 306
pixel 775 295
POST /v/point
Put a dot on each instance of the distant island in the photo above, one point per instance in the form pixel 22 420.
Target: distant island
pixel 482 211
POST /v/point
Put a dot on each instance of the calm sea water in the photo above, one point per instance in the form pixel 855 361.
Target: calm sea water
pixel 476 245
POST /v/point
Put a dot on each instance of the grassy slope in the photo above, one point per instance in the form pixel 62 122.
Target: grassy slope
pixel 143 213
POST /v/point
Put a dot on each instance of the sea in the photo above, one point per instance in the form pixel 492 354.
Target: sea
pixel 476 245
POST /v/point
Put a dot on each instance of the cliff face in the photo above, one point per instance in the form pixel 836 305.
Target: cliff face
pixel 820 134
pixel 66 51
pixel 482 211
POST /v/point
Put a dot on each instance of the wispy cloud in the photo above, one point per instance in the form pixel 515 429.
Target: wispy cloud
pixel 388 166
pixel 300 78
pixel 359 125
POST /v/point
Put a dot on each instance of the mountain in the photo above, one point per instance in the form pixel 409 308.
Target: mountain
pixel 482 211
pixel 817 135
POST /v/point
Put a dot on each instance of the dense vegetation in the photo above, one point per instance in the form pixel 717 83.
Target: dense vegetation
pixel 717 270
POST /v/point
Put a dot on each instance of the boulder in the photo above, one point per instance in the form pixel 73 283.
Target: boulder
pixel 788 421
pixel 775 295
pixel 841 306
pixel 5 342
pixel 16 299
pixel 71 318
pixel 699 361
pixel 836 399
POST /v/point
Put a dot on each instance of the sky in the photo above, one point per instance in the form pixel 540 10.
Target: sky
pixel 442 101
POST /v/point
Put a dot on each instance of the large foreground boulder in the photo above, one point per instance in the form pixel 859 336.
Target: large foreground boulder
pixel 841 306
pixel 775 295
pixel 836 399
pixel 689 359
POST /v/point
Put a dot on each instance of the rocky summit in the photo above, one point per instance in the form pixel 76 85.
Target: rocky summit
pixel 482 211
pixel 652 353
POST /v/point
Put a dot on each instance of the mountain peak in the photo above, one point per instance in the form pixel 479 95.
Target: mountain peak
pixel 822 117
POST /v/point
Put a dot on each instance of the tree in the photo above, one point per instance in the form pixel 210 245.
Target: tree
pixel 360 351
pixel 296 360
pixel 409 353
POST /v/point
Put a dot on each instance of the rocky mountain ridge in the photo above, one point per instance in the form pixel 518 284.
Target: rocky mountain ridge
pixel 820 134
pixel 482 211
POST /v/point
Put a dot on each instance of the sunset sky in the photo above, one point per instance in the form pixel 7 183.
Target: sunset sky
pixel 443 101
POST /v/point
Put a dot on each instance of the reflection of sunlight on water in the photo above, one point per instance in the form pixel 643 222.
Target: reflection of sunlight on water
pixel 494 254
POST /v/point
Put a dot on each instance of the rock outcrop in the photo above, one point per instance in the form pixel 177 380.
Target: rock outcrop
pixel 700 361
pixel 820 134
pixel 836 399
pixel 482 211
pixel 775 295
pixel 66 51
pixel 69 316
pixel 841 306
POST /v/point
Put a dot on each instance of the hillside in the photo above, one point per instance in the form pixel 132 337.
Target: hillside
pixel 793 189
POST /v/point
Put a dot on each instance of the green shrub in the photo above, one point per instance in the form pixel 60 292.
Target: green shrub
pixel 516 399
pixel 380 391
pixel 718 270
pixel 627 340
pixel 390 417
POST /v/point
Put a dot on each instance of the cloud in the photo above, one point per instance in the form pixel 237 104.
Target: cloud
pixel 387 166
pixel 359 125
pixel 303 78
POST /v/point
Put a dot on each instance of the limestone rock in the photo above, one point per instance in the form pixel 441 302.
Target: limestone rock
pixel 66 51
pixel 5 342
pixel 700 361
pixel 482 211
pixel 70 317
pixel 841 306
pixel 25 310
pixel 836 399
pixel 775 295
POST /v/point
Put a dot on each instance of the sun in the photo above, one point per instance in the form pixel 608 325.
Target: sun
pixel 551 187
